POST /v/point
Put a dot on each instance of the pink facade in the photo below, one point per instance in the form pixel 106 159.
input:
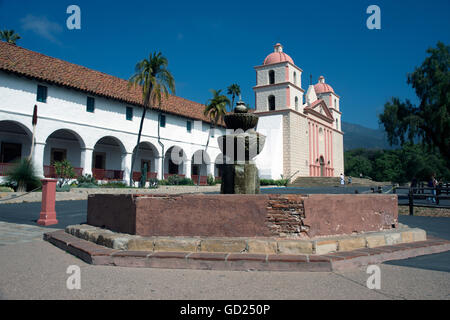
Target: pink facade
pixel 317 167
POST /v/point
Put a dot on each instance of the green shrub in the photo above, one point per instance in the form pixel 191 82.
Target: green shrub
pixel 87 178
pixel 178 181
pixel 153 183
pixel 211 181
pixel 87 185
pixel 114 185
pixel 23 176
pixel 271 182
pixel 65 188
pixel 6 189
pixel 64 171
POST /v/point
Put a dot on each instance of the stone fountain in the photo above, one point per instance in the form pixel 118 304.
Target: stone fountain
pixel 239 148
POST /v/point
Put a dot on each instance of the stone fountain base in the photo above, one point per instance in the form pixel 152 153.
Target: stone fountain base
pixel 240 178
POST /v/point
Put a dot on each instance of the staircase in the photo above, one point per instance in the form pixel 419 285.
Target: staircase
pixel 307 182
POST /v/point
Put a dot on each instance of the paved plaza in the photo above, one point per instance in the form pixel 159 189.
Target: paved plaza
pixel 34 269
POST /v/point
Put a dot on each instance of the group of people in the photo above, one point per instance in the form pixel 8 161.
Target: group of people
pixel 342 177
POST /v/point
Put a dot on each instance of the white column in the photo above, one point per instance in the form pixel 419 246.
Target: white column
pixel 126 166
pixel 187 168
pixel 86 160
pixel 210 169
pixel 38 158
pixel 159 168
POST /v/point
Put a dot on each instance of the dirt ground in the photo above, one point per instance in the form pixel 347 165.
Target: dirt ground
pixel 425 212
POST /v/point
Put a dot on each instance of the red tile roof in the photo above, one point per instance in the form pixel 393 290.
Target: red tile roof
pixel 35 65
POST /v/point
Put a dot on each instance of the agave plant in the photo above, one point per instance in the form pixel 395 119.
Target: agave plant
pixel 23 176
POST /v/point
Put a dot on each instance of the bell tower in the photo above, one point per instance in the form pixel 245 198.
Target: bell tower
pixel 278 83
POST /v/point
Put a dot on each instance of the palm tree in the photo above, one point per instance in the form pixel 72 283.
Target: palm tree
pixel 152 76
pixel 234 90
pixel 9 36
pixel 215 109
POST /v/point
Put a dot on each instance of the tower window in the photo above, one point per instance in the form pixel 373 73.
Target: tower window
pixel 296 103
pixel 337 124
pixel 295 78
pixel 271 77
pixel 271 103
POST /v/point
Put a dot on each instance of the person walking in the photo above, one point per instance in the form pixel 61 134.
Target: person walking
pixel 342 179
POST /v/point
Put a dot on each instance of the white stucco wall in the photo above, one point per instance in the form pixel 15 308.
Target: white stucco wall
pixel 66 109
pixel 270 160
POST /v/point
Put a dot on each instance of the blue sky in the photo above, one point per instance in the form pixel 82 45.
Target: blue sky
pixel 212 44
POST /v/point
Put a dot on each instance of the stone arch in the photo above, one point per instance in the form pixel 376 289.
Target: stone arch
pixel 107 159
pixel 175 161
pixel 15 143
pixel 199 163
pixel 148 154
pixel 63 144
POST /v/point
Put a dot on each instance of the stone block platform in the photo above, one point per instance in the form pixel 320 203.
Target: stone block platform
pixel 265 215
pixel 250 245
pixel 100 255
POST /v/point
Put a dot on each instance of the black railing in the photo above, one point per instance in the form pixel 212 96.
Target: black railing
pixel 420 192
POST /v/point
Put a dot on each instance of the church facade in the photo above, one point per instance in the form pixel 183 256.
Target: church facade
pixel 303 129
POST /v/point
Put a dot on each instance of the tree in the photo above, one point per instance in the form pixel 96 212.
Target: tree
pixel 215 109
pixel 430 120
pixel 9 36
pixel 154 79
pixel 234 90
pixel 64 171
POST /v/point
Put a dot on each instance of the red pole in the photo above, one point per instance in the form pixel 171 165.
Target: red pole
pixel 48 214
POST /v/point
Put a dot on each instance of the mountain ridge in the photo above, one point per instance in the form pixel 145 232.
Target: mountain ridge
pixel 357 136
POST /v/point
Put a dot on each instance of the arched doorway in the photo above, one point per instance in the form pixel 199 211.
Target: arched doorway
pixel 107 159
pixel 15 144
pixel 148 155
pixel 174 162
pixel 322 166
pixel 62 145
pixel 199 167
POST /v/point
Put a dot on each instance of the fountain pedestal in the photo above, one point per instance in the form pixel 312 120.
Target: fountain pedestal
pixel 240 178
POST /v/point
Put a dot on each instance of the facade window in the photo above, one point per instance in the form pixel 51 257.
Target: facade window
pixel 189 126
pixel 295 78
pixel 335 103
pixel 129 113
pixel 90 105
pixel 271 103
pixel 296 103
pixel 162 121
pixel 337 124
pixel 271 77
pixel 41 94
